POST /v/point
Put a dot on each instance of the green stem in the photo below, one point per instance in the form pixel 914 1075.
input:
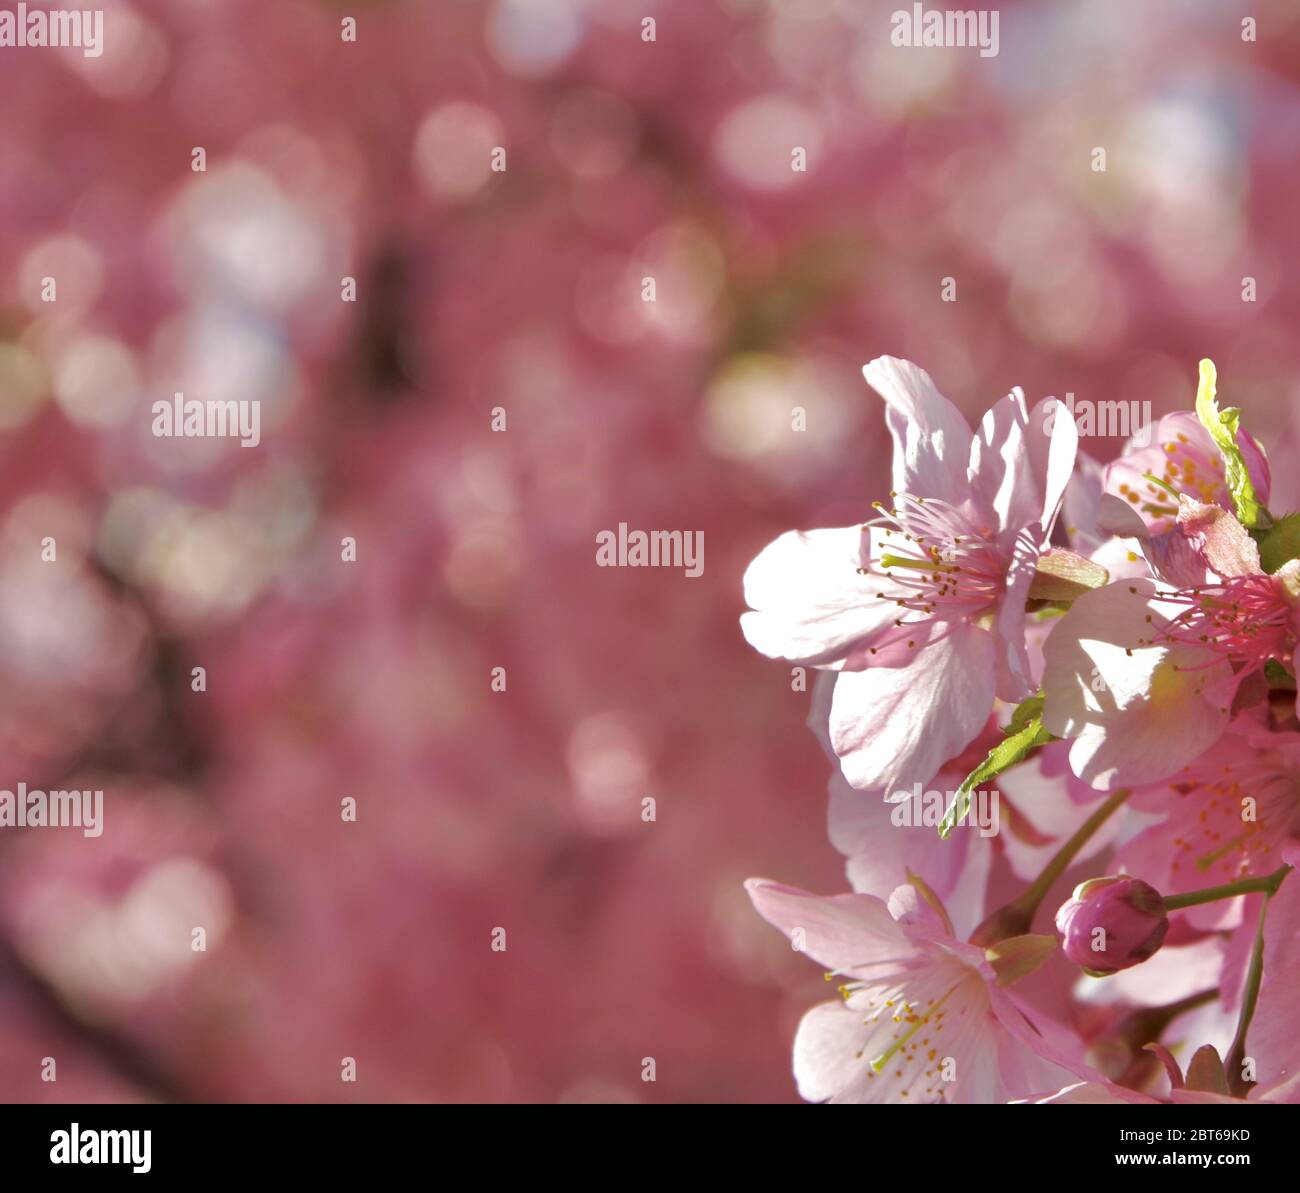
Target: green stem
pixel 1017 916
pixel 1237 1084
pixel 1267 885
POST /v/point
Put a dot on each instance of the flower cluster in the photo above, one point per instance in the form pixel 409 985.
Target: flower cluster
pixel 1096 668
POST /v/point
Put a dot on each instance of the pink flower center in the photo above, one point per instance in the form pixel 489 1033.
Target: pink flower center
pixel 1248 619
pixel 938 562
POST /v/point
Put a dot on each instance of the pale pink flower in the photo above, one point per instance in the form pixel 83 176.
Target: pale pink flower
pixel 1230 605
pixel 922 1017
pixel 1183 456
pixel 922 611
pixel 1136 710
pixel 1232 813
pixel 1145 674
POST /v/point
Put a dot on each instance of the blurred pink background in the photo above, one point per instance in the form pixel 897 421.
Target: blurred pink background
pixel 522 289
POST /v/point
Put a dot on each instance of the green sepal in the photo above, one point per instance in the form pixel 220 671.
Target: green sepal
pixel 1025 734
pixel 1280 544
pixel 1222 426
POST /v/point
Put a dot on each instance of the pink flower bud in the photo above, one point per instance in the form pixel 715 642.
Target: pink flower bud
pixel 1110 924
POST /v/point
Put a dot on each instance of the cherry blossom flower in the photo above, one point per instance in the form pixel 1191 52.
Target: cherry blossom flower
pixel 922 1016
pixel 922 610
pixel 1137 710
pixel 1143 674
pixel 1232 813
pixel 1183 457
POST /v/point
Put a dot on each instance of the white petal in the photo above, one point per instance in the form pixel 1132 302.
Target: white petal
pixel 894 727
pixel 811 605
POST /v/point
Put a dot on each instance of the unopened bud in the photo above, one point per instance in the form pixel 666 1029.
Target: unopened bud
pixel 1110 924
